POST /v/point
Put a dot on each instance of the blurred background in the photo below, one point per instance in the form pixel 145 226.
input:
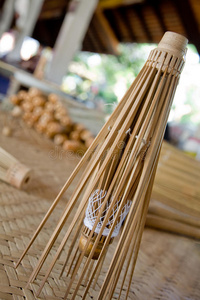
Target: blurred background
pixel 89 52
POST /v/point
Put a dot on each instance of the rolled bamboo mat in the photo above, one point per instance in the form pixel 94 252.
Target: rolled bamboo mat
pixel 175 203
pixel 167 267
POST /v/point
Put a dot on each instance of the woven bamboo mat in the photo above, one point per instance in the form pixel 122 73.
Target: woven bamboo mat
pixel 168 265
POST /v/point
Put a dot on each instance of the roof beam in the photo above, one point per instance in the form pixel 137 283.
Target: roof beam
pixel 124 14
pixel 112 15
pixel 70 38
pixel 106 4
pixel 6 16
pixel 138 10
pixel 157 11
pixel 189 21
pixel 28 24
pixel 109 36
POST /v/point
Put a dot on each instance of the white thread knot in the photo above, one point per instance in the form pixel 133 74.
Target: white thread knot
pixel 92 212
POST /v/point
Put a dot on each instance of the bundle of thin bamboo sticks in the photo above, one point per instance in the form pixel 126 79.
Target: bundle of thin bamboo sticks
pixel 115 187
pixel 12 171
pixel 175 204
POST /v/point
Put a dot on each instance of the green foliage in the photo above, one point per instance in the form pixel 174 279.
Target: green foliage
pixel 105 78
pixel 113 74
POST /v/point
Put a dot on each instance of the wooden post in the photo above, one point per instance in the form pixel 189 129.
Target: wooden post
pixel 31 19
pixel 7 15
pixel 70 38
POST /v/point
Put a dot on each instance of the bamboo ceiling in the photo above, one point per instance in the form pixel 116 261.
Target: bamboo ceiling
pixel 143 22
pixel 140 21
pixel 135 21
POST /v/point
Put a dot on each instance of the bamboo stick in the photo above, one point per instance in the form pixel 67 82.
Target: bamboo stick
pixel 167 211
pixel 172 226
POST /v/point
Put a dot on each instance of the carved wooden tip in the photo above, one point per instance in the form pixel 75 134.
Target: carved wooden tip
pixel 173 42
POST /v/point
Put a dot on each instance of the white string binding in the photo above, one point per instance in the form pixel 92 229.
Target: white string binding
pixel 91 213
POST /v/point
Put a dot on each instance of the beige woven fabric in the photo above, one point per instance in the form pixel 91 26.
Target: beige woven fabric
pixel 168 265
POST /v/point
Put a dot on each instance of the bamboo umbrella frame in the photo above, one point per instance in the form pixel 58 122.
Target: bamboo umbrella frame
pixel 120 165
